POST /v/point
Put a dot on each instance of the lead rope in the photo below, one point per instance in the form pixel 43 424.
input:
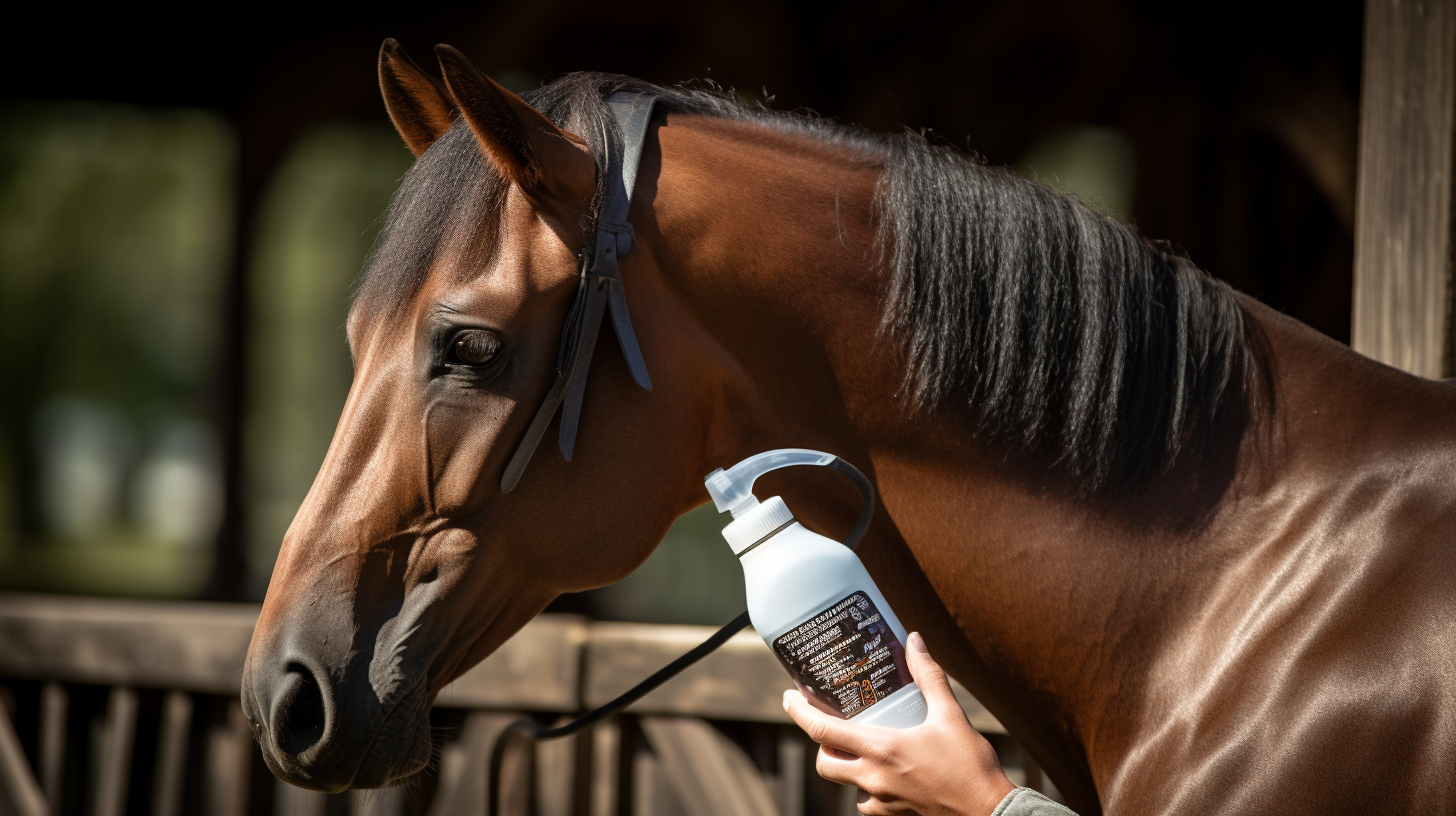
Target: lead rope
pixel 534 730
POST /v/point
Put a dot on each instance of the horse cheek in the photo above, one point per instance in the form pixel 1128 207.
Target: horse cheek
pixel 458 444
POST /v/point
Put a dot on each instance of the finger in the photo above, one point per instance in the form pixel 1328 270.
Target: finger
pixel 837 766
pixel 931 679
pixel 872 805
pixel 860 740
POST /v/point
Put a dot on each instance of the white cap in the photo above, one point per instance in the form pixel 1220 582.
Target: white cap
pixel 732 490
pixel 757 524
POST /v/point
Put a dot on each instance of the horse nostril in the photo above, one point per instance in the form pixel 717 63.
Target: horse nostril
pixel 299 715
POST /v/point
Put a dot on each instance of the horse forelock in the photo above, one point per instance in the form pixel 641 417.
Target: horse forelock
pixel 1059 329
pixel 448 206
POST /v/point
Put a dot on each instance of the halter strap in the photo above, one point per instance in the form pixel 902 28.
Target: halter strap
pixel 599 285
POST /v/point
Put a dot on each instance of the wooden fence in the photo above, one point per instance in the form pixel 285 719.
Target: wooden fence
pixel 116 707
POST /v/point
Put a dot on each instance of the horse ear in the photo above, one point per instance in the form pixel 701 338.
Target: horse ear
pixel 551 165
pixel 420 112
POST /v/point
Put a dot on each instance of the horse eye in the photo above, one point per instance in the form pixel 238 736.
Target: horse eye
pixel 474 347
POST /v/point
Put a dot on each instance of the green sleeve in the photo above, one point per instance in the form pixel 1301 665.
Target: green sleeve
pixel 1027 802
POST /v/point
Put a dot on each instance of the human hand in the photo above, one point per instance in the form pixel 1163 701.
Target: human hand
pixel 941 767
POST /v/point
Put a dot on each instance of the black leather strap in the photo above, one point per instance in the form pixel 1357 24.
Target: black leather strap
pixel 599 286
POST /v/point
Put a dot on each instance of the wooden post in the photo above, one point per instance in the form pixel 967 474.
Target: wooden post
pixel 114 773
pixel 462 788
pixel 171 771
pixel 20 793
pixel 793 757
pixel 291 801
pixel 1404 291
pixel 561 788
pixel 376 802
pixel 54 703
pixel 710 774
pixel 229 763
pixel 606 740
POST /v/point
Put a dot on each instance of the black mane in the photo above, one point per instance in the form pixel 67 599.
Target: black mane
pixel 1061 330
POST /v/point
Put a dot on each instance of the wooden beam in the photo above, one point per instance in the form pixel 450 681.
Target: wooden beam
pixel 191 646
pixel 539 669
pixel 200 647
pixel 741 681
pixel 1404 289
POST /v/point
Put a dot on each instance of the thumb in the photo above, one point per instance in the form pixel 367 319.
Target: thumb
pixel 931 678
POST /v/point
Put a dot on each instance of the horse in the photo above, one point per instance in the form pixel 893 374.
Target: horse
pixel 1197 557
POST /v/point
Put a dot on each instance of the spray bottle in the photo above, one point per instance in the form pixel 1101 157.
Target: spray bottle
pixel 812 600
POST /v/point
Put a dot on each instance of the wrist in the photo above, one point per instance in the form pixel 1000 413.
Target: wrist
pixel 994 794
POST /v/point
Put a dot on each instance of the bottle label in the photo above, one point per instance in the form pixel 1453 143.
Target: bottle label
pixel 846 657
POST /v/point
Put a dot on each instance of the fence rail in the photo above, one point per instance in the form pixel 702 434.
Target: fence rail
pixel 124 707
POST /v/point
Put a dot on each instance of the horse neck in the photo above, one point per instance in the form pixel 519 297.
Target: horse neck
pixel 1023 592
pixel 1053 609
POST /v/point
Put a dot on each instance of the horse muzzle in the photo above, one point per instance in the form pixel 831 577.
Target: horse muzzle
pixel 334 730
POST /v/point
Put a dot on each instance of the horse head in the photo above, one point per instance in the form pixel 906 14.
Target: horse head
pixel 407 563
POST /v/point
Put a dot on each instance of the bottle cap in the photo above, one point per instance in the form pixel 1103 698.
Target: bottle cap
pixel 732 490
pixel 757 523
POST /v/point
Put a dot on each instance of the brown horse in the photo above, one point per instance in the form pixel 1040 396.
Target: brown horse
pixel 1197 557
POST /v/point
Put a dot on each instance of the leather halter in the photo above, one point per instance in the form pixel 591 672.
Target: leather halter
pixel 599 285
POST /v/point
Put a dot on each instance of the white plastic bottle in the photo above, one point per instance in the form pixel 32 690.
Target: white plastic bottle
pixel 814 603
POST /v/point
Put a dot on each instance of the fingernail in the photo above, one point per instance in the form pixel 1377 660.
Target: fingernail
pixel 918 643
pixel 786 701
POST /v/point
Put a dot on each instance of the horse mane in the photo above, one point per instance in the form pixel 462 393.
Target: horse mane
pixel 1060 330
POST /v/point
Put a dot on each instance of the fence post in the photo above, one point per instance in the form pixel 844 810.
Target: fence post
pixel 54 705
pixel 172 754
pixel 229 764
pixel 1404 292
pixel 606 740
pixel 116 750
pixel 19 792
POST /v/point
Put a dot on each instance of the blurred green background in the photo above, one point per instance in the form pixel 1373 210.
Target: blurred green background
pixel 178 239
pixel 114 237
pixel 114 230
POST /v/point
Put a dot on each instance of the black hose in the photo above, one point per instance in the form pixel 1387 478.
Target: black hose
pixel 866 490
pixel 531 728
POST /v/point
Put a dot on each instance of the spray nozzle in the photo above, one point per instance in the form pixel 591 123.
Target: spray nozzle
pixel 732 489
